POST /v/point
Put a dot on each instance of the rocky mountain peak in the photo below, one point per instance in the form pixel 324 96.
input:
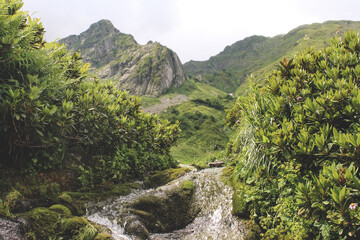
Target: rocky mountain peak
pixel 100 29
pixel 141 69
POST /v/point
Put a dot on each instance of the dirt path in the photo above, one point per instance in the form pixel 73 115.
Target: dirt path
pixel 166 103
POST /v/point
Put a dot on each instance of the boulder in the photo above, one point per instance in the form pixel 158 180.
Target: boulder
pixel 167 208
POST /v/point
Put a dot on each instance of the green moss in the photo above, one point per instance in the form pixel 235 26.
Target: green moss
pixel 159 178
pixel 238 200
pixel 253 231
pixel 188 186
pixel 239 205
pixel 77 207
pixel 121 189
pixel 169 211
pixel 88 232
pixel 2 208
pixel 227 174
pixel 83 195
pixel 73 225
pixel 73 203
pixel 65 198
pixel 34 187
pixel 133 185
pixel 61 209
pixel 12 199
pixel 103 236
pixel 146 201
pixel 43 222
pixel 150 221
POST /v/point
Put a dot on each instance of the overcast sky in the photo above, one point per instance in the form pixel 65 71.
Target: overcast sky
pixel 194 29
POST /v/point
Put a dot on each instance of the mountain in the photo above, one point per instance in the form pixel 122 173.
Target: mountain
pixel 141 69
pixel 257 54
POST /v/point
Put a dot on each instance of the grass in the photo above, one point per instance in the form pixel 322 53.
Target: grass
pixel 202 120
pixel 149 101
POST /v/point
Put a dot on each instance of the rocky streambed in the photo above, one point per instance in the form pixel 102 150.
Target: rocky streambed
pixel 195 206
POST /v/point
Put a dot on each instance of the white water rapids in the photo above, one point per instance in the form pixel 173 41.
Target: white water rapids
pixel 214 221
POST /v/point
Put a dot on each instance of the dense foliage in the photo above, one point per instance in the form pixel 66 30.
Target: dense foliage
pixel 52 117
pixel 298 146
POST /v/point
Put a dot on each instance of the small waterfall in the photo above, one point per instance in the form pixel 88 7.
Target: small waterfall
pixel 113 213
pixel 212 197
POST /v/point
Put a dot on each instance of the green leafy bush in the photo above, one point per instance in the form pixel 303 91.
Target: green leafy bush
pixel 53 115
pixel 304 119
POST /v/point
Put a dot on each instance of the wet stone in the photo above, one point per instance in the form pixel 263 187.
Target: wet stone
pixel 210 198
pixel 12 229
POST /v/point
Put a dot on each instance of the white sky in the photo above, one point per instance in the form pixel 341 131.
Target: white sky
pixel 194 29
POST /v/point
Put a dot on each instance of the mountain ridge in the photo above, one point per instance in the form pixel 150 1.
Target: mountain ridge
pixel 229 69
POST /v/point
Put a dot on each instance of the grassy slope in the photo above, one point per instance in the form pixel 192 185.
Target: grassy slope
pixel 257 55
pixel 201 120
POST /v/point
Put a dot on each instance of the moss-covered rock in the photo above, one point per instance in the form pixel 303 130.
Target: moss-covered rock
pixel 239 206
pixel 77 207
pixel 168 208
pixel 239 203
pixel 72 225
pixel 149 220
pixel 188 186
pixel 103 236
pixel 61 209
pixel 64 197
pixel 134 225
pixel 159 178
pixel 43 222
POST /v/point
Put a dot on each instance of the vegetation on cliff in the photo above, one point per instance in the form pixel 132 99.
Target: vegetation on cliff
pixel 297 147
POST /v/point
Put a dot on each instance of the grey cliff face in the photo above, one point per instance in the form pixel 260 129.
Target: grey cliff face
pixel 140 69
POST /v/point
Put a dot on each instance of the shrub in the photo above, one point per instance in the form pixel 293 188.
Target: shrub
pixel 305 121
pixel 53 116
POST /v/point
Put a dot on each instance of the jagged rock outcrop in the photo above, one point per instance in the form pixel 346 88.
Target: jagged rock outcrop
pixel 140 69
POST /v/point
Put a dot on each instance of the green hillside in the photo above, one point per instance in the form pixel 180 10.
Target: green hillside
pixel 204 134
pixel 257 54
pixel 201 118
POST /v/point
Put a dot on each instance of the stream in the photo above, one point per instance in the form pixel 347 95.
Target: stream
pixel 211 196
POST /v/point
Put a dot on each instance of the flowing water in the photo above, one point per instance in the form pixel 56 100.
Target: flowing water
pixel 211 195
